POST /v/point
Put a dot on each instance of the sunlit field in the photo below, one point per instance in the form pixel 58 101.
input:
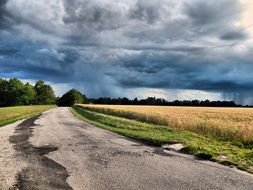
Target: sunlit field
pixel 11 114
pixel 226 124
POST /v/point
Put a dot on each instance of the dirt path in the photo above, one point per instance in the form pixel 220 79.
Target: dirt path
pixel 58 151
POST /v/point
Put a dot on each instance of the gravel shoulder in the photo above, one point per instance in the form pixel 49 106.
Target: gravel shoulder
pixel 10 163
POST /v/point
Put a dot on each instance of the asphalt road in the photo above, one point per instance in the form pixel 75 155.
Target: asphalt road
pixel 58 151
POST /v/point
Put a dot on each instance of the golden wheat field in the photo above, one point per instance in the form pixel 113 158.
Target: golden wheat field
pixel 233 124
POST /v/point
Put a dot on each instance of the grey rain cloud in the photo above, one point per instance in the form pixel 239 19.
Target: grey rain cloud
pixel 234 35
pixel 4 14
pixel 106 48
pixel 205 13
pixel 148 11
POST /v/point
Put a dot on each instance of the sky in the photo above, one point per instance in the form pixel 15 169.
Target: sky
pixel 173 49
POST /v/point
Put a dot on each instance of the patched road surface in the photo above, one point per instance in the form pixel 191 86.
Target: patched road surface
pixel 58 151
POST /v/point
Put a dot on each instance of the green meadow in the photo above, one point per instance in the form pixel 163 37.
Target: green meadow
pixel 11 114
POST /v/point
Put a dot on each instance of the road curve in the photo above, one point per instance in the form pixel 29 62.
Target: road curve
pixel 58 151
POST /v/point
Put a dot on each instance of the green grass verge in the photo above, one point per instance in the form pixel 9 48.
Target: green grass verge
pixel 195 144
pixel 12 114
pixel 204 128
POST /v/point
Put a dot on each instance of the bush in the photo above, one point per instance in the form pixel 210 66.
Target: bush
pixel 71 98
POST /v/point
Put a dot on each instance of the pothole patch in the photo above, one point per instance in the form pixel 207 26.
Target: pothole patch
pixel 42 172
pixel 173 147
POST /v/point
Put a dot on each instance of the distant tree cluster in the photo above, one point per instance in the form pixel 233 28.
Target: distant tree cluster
pixel 161 102
pixel 14 93
pixel 71 98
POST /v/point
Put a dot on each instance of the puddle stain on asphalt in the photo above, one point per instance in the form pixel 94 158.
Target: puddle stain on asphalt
pixel 42 173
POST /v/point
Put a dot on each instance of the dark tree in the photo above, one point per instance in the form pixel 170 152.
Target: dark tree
pixel 4 87
pixel 71 98
pixel 29 95
pixel 15 93
pixel 160 101
pixel 45 93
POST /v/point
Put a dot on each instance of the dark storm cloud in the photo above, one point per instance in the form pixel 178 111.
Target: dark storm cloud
pixel 183 72
pixel 234 35
pixel 4 15
pixel 90 15
pixel 212 12
pixel 226 86
pixel 210 18
pixel 7 51
pixel 146 11
pixel 172 78
pixel 116 45
pixel 3 12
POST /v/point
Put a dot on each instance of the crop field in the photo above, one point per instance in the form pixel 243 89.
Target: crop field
pixel 12 114
pixel 208 133
pixel 226 124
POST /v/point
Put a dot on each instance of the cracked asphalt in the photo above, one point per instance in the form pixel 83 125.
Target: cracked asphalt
pixel 58 151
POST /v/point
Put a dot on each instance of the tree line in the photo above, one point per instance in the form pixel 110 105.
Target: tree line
pixel 13 92
pixel 161 102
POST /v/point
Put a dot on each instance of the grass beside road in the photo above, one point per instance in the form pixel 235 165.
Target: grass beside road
pixel 198 145
pixel 223 124
pixel 11 114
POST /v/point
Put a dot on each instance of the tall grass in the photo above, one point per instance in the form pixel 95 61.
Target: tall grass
pixel 225 124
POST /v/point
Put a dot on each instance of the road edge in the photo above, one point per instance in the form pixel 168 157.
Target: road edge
pixel 181 154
